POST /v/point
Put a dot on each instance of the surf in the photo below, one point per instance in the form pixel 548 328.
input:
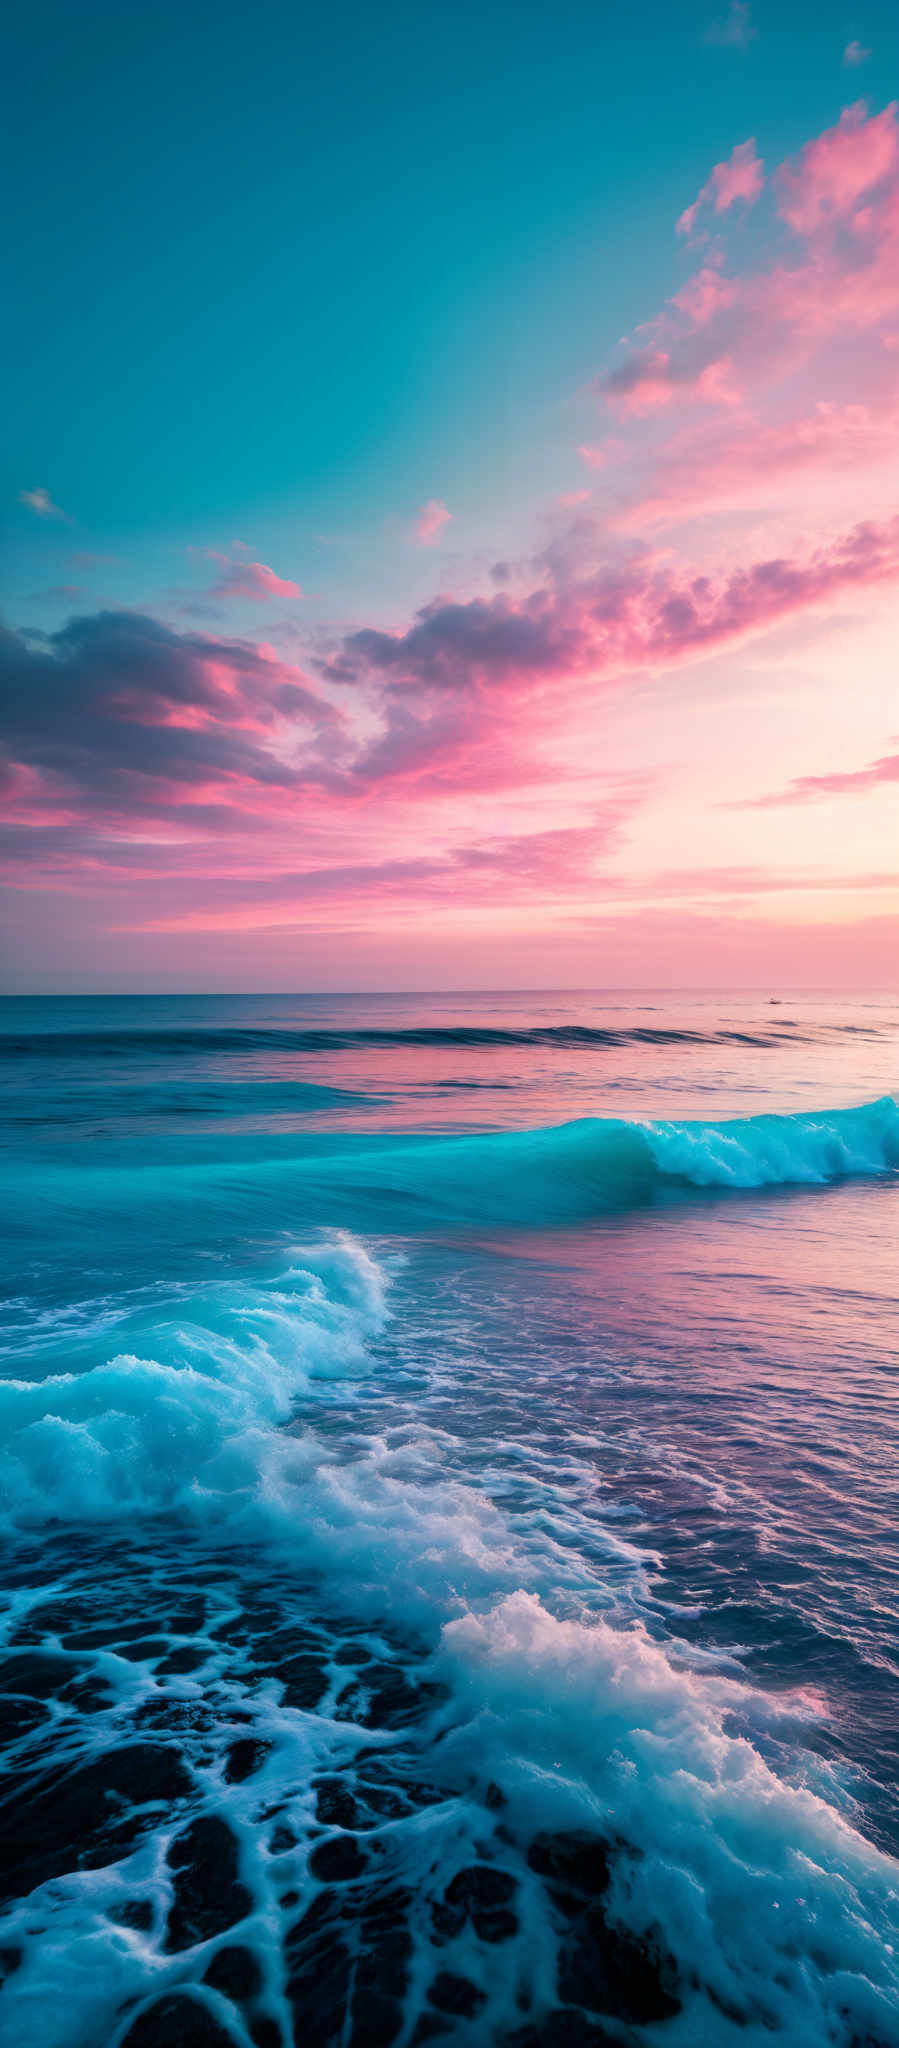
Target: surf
pixel 444 1684
pixel 545 1176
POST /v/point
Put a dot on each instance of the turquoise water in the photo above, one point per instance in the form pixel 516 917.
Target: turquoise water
pixel 445 1435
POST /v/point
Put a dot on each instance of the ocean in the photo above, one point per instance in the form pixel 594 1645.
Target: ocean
pixel 448 1476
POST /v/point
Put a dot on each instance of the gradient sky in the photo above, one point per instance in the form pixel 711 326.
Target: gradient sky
pixel 449 500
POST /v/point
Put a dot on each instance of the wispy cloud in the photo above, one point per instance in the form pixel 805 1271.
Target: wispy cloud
pixel 430 522
pixel 854 54
pixel 832 174
pixel 40 501
pixel 779 349
pixel 840 782
pixel 654 378
pixel 734 30
pixel 242 578
pixel 740 177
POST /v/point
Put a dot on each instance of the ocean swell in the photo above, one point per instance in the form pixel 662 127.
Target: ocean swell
pixel 185 1040
pixel 597 1164
pixel 556 1174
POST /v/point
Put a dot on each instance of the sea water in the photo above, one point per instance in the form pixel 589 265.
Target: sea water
pixel 448 1479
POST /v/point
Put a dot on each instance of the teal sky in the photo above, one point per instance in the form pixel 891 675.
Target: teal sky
pixel 288 272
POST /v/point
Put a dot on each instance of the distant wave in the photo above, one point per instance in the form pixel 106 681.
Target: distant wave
pixel 170 1097
pixel 187 1040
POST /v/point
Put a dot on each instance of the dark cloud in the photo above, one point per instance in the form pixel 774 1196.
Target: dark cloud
pixel 116 705
pixel 451 646
pixel 632 612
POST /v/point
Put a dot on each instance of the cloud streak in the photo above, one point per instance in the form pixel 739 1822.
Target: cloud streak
pixel 634 613
pixel 807 789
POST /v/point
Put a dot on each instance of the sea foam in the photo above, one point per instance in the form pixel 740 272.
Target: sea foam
pixel 189 1426
pixel 779 1917
pixel 783 1915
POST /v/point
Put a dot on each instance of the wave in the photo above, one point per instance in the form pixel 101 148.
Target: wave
pixel 170 1099
pixel 811 1147
pixel 586 1725
pixel 196 1419
pixel 186 1041
pixel 190 1426
pixel 397 1184
pixel 197 1425
pixel 595 1164
pixel 597 1727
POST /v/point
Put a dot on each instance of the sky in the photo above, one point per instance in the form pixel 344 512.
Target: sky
pixel 449 496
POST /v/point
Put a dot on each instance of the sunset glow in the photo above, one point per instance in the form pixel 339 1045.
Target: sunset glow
pixel 624 711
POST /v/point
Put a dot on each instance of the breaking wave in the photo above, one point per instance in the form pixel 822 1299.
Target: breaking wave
pixel 598 1164
pixel 190 1423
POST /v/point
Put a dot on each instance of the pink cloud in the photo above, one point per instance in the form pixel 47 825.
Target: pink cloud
pixel 840 782
pixel 655 378
pixel 702 470
pixel 741 177
pixel 771 346
pixel 768 321
pixel 854 54
pixel 118 710
pixel 445 677
pixel 526 865
pixel 118 715
pixel 824 184
pixel 243 578
pixel 430 522
pixel 704 296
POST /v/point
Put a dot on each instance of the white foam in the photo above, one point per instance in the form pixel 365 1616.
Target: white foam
pixel 786 1914
pixel 810 1148
pixel 781 1911
pixel 193 1422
